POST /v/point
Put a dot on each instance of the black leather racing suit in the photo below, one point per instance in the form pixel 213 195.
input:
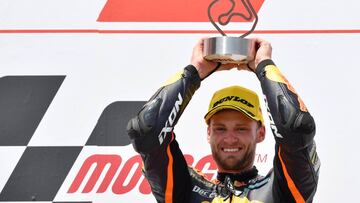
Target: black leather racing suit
pixel 295 169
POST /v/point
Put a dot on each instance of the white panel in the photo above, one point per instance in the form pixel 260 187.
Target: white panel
pixel 9 158
pixel 103 68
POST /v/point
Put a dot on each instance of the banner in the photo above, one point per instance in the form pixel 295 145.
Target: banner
pixel 74 72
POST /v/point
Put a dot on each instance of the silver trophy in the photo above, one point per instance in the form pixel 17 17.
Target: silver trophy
pixel 226 49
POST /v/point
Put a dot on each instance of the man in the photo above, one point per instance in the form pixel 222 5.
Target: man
pixel 235 126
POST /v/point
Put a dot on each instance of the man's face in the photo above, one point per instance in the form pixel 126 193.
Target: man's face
pixel 233 137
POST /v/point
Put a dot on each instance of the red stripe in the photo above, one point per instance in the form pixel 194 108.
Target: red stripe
pixel 89 31
pixel 39 31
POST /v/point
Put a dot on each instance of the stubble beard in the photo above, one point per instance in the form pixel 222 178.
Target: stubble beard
pixel 239 164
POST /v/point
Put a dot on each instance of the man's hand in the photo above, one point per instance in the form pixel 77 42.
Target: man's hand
pixel 203 66
pixel 263 51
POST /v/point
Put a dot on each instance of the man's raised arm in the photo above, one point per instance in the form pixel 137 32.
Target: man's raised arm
pixel 151 131
pixel 296 165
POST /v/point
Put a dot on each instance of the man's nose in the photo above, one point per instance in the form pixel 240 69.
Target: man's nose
pixel 231 137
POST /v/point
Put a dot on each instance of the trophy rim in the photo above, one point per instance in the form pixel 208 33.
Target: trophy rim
pixel 229 49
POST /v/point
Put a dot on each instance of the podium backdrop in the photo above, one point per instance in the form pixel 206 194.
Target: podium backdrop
pixel 73 72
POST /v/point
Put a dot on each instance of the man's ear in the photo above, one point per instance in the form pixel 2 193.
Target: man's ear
pixel 208 134
pixel 260 134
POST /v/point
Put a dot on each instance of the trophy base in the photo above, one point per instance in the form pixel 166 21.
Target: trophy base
pixel 229 50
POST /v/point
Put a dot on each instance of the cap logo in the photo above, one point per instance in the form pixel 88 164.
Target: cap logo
pixel 233 98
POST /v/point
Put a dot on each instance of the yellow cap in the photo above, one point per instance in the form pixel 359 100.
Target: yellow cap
pixel 236 98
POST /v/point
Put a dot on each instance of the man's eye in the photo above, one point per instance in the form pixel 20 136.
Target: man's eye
pixel 220 129
pixel 241 129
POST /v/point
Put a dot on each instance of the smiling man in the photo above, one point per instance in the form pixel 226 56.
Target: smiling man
pixel 235 126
